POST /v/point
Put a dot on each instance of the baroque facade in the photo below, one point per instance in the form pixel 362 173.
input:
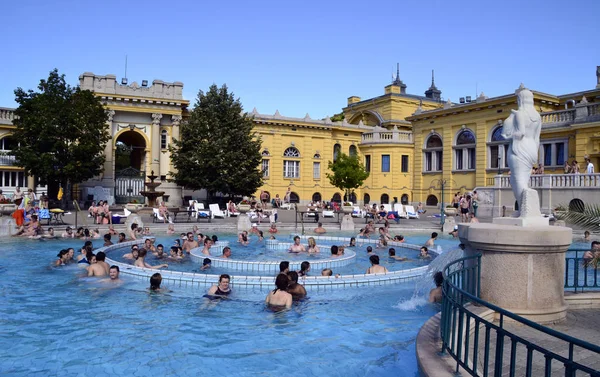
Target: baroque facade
pixel 412 145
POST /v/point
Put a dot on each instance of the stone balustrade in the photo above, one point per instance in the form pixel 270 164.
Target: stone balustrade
pixel 384 136
pixel 554 181
pixel 7 115
pixel 561 116
pixel 582 112
pixel 6 160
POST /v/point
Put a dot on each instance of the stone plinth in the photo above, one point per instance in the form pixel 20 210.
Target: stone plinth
pixel 243 222
pixel 522 221
pixel 347 223
pixel 522 268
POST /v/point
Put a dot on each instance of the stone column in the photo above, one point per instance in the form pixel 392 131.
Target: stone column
pixel 522 267
pixel 176 121
pixel 155 148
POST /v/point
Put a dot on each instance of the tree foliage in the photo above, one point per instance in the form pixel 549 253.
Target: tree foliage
pixel 338 117
pixel 348 173
pixel 584 216
pixel 61 132
pixel 218 150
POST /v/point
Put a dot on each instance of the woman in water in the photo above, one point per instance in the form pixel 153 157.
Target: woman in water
pixel 352 242
pixel 278 298
pixel 222 289
pixel 63 258
pixel 141 262
pixel 155 281
pixel 312 246
pixel 304 268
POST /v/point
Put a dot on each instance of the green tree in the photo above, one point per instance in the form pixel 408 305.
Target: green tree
pixel 348 173
pixel 338 117
pixel 61 133
pixel 218 150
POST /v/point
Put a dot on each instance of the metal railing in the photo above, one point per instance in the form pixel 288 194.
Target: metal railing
pixel 462 330
pixel 580 273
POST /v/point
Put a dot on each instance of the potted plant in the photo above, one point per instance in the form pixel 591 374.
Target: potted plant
pixel 348 173
pixel 244 206
pixel 134 206
pixel 7 206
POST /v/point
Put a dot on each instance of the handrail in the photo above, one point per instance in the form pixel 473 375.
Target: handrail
pixel 579 275
pixel 461 285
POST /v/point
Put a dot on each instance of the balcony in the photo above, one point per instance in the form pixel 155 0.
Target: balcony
pixel 7 115
pixel 578 181
pixel 7 160
pixel 381 135
pixel 582 112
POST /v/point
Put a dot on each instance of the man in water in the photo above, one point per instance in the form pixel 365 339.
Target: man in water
pixel 319 229
pixel 296 290
pixel 296 247
pixel 107 241
pixel 206 264
pixel 435 295
pixel 189 243
pixel 68 233
pixel 284 267
pixel 100 268
pixel 122 237
pixel 149 245
pixel 226 252
pixel 424 253
pixel 113 273
pixel 160 251
pixel 222 289
pixel 430 242
pixel 392 254
pixel 207 244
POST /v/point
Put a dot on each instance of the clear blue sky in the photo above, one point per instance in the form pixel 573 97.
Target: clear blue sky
pixel 307 56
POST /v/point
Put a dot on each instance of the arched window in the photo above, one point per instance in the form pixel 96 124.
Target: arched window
pixel 352 197
pixel 316 197
pixel 404 199
pixel 336 151
pixel 7 143
pixel 352 151
pixel 336 198
pixel 266 153
pixel 291 168
pixel 317 156
pixel 464 151
pixel 164 139
pixel 432 154
pixel 385 199
pixel 432 200
pixel 291 152
pixel 576 205
pixel 497 150
pixel 294 198
pixel 367 198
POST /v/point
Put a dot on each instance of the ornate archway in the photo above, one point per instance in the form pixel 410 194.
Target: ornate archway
pixel 130 162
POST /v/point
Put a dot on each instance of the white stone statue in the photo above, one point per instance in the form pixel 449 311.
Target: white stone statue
pixel 522 128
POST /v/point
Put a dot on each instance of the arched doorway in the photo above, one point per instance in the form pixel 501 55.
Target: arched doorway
pixel 352 198
pixel 385 199
pixel 294 198
pixel 316 197
pixel 366 198
pixel 432 200
pixel 130 162
pixel 404 199
pixel 576 205
pixel 337 198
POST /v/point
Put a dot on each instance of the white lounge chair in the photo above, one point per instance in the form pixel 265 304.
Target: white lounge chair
pixel 328 213
pixel 287 206
pixel 216 211
pixel 387 207
pixel 200 211
pixel 157 216
pixel 357 212
pixel 410 211
pixel 400 209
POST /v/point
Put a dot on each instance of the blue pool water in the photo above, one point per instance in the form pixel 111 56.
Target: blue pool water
pixel 56 322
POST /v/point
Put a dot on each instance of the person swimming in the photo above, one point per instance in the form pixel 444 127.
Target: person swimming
pixel 221 290
pixel 279 298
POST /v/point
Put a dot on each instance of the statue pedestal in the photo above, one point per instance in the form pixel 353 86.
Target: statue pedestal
pixel 243 222
pixel 522 267
pixel 347 223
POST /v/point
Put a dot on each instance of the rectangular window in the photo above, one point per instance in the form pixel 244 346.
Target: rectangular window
pixel 472 158
pixel 494 156
pixel 428 161
pixel 404 165
pixel 265 168
pixel 316 170
pixel 560 154
pixel 291 169
pixel 368 163
pixel 385 163
pixel 440 161
pixel 459 159
pixel 547 154
pixel 163 139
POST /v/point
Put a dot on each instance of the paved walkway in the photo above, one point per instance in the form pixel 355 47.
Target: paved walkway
pixel 581 323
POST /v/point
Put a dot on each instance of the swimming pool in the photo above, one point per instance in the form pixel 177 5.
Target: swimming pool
pixel 55 322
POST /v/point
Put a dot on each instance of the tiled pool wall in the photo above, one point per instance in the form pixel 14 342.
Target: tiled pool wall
pixel 176 279
pixel 272 267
